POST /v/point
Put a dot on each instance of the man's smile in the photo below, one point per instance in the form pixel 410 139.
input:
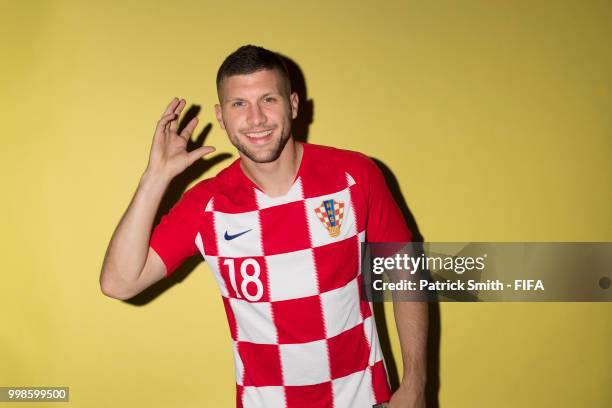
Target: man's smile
pixel 260 133
pixel 259 137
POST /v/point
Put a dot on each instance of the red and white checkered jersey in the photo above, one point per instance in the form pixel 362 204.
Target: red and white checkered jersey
pixel 288 269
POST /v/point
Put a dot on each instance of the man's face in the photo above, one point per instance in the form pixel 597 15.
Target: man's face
pixel 256 112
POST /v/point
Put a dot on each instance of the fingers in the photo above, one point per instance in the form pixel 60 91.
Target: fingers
pixel 163 122
pixel 167 116
pixel 188 131
pixel 198 153
pixel 177 111
pixel 171 106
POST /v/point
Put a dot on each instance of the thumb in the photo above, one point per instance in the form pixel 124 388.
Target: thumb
pixel 198 153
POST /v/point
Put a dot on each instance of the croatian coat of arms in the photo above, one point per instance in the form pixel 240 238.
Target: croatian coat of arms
pixel 331 213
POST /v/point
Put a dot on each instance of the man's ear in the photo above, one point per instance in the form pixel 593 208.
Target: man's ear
pixel 295 100
pixel 219 116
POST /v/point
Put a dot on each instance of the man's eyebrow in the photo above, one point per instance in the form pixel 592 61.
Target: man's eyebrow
pixel 233 99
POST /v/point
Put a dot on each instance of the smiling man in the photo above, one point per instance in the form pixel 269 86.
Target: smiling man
pixel 280 228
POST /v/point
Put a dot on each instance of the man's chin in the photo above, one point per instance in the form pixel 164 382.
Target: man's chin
pixel 262 157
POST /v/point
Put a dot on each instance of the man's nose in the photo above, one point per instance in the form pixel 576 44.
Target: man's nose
pixel 256 115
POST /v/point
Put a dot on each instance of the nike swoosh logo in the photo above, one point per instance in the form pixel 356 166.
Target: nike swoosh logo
pixel 229 237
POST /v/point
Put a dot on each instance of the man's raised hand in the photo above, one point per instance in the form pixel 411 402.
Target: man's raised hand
pixel 169 155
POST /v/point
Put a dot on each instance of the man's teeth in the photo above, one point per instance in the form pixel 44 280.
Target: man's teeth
pixel 259 134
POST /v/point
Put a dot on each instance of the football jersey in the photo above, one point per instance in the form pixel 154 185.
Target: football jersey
pixel 288 269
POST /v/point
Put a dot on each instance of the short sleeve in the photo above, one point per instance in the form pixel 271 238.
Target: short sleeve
pixel 385 222
pixel 173 239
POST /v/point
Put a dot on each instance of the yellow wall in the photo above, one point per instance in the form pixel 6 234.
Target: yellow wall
pixel 494 117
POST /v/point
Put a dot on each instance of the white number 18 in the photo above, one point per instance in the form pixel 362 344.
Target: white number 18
pixel 246 278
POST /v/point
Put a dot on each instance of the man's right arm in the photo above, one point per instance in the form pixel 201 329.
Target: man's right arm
pixel 130 265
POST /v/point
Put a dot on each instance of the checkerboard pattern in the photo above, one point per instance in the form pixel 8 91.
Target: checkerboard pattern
pixel 302 337
pixel 301 334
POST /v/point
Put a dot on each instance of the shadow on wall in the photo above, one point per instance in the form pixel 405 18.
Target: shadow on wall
pixel 433 339
pixel 301 125
pixel 300 129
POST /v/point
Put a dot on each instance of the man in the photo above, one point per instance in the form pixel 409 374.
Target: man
pixel 280 229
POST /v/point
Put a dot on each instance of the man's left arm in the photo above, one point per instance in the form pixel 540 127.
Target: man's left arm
pixel 411 319
pixel 386 224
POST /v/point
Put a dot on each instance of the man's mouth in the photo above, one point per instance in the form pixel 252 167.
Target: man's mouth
pixel 260 136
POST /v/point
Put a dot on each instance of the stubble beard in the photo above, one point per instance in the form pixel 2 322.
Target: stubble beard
pixel 264 156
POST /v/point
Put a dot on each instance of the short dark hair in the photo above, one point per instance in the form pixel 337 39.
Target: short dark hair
pixel 249 59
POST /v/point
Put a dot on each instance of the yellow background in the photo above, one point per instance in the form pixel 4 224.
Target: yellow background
pixel 494 116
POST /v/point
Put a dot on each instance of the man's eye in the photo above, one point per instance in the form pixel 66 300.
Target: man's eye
pixel 237 104
pixel 270 99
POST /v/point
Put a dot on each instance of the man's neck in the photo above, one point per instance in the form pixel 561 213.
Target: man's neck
pixel 275 178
